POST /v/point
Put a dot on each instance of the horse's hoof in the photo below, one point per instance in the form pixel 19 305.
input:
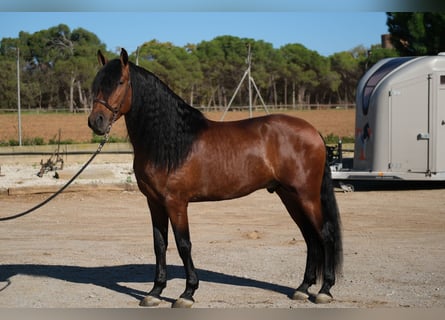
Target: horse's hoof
pixel 182 303
pixel 300 295
pixel 323 298
pixel 150 301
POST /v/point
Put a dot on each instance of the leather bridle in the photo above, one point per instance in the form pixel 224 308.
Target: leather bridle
pixel 114 110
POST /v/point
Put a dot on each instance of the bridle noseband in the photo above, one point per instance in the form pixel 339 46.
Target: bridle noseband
pixel 117 109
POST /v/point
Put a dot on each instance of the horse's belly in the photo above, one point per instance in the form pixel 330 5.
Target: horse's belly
pixel 225 188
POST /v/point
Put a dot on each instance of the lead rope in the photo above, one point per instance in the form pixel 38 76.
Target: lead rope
pixel 99 149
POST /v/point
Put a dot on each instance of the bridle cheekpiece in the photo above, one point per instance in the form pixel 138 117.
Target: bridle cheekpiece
pixel 114 110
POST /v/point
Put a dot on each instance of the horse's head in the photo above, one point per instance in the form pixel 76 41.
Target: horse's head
pixel 112 92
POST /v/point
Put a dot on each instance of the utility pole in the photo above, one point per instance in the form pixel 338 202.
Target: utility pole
pixel 249 63
pixel 18 97
pixel 251 82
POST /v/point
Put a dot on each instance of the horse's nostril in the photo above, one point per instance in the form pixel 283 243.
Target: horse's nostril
pixel 97 123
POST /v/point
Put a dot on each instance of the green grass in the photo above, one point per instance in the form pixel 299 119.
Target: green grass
pixel 39 141
pixel 333 139
pixel 98 139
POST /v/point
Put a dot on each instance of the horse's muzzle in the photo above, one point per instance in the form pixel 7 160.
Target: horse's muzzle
pixel 98 123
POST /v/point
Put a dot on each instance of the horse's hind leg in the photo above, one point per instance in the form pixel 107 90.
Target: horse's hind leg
pixel 331 237
pixel 313 262
pixel 308 224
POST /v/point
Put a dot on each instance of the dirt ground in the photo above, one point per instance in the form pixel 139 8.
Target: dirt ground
pixel 74 126
pixel 94 249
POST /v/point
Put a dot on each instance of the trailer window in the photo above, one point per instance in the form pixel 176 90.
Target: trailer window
pixel 442 80
pixel 378 75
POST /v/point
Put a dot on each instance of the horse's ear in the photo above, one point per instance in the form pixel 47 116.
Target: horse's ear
pixel 124 57
pixel 100 57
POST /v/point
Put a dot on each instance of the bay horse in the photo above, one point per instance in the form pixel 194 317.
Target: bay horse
pixel 180 156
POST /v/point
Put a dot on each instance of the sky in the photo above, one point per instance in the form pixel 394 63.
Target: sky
pixel 326 26
pixel 326 32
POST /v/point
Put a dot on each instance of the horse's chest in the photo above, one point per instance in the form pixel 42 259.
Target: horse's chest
pixel 150 180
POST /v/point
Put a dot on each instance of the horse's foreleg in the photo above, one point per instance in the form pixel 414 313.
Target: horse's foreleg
pixel 159 219
pixel 179 222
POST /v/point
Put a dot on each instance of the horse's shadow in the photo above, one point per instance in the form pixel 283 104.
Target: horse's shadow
pixel 110 277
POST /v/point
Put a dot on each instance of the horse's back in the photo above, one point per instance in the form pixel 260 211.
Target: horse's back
pixel 277 136
pixel 281 124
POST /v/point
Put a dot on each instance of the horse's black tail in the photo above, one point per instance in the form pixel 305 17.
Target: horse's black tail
pixel 331 231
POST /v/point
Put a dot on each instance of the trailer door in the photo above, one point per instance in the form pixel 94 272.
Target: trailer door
pixel 409 125
pixel 439 125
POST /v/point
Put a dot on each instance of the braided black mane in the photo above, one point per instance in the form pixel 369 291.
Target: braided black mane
pixel 159 123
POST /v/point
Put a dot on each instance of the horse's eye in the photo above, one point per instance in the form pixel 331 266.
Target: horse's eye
pixel 121 82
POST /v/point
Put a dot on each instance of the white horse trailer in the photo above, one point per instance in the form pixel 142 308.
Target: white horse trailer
pixel 400 123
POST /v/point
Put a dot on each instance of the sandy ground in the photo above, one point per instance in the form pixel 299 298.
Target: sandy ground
pixel 93 248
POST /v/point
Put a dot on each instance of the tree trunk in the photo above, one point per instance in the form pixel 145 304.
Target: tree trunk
pixel 71 103
pixel 285 92
pixel 275 95
pixel 191 95
pixel 212 97
pixel 301 94
pixel 82 98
